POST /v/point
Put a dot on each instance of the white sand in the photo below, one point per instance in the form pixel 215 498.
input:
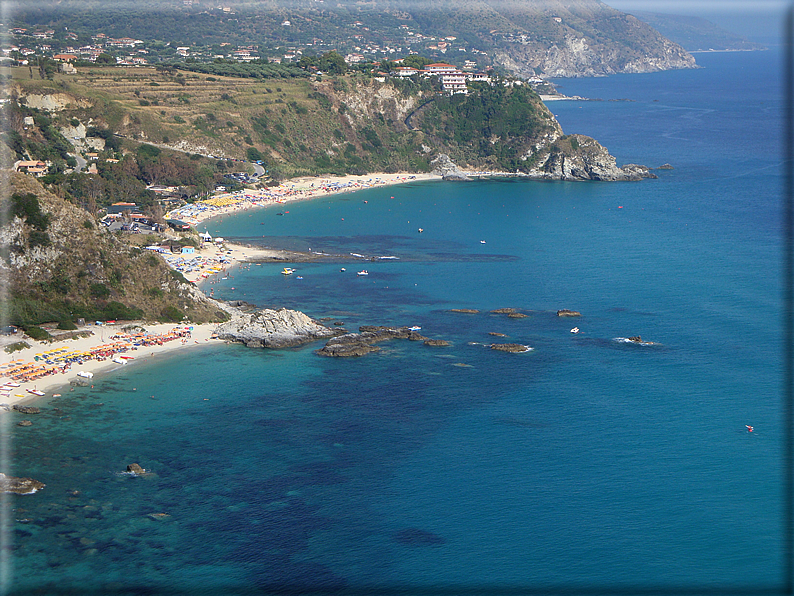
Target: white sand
pixel 299 189
pixel 293 190
pixel 200 335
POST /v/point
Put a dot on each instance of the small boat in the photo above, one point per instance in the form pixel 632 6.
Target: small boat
pixel 118 360
pixel 575 330
pixel 299 277
pixel 414 328
pixel 85 375
pixel 482 241
pixel 35 392
pixel 343 270
pixel 421 230
pixel 363 272
pixel 128 357
pixel 749 428
pixel 287 271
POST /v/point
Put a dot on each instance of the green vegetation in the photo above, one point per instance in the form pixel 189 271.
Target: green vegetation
pixel 16 347
pixel 172 314
pixel 253 70
pixel 36 333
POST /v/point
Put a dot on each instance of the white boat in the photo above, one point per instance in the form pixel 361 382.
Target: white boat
pixel 575 330
pixel 85 375
pixel 363 272
pixel 118 360
pixel 35 392
pixel 287 271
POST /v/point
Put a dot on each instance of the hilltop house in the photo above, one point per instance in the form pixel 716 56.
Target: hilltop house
pixel 36 168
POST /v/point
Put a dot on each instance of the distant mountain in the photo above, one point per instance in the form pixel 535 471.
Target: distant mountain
pixel 695 33
pixel 552 38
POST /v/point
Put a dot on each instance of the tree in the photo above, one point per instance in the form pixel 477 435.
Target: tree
pixel 104 58
pixel 415 61
pixel 333 63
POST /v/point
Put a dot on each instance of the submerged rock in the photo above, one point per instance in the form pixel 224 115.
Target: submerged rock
pixel 466 311
pixel 418 537
pixel 503 311
pixel 437 343
pixel 359 344
pixel 568 313
pixel 514 348
pixel 268 328
pixel 495 333
pixel 24 423
pixel 27 409
pixel 19 486
pixel 516 315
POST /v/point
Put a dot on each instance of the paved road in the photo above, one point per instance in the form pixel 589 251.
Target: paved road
pixel 81 163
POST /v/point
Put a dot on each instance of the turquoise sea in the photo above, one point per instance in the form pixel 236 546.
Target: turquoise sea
pixel 587 464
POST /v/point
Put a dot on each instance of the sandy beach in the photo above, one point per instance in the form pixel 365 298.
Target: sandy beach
pixel 212 259
pixel 29 360
pixel 296 189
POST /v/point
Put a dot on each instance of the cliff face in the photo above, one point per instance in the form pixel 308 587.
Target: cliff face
pixel 553 38
pixel 577 157
pixel 586 38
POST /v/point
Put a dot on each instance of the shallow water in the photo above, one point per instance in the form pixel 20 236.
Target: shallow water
pixel 585 462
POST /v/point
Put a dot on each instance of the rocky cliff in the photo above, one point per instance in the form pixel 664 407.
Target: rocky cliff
pixel 578 157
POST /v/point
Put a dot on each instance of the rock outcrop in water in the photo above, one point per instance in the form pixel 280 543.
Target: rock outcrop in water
pixel 359 344
pixel 19 486
pixel 282 328
pixel 578 157
pixel 443 166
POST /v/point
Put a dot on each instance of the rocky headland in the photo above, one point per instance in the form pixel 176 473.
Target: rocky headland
pixel 282 328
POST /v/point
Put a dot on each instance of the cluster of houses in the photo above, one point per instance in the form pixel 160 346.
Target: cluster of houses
pixel 126 217
pixel 101 43
pixel 453 80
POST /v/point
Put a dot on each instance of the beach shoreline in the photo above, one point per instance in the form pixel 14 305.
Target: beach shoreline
pixel 90 338
pixel 298 189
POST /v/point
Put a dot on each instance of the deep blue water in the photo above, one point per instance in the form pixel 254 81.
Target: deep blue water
pixel 585 462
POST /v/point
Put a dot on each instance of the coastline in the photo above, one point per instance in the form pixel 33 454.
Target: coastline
pixel 100 335
pixel 209 255
pixel 295 189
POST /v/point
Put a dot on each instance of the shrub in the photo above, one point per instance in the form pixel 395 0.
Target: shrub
pixel 98 290
pixel 66 325
pixel 172 314
pixel 37 333
pixel 88 225
pixel 117 311
pixel 38 238
pixel 15 347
